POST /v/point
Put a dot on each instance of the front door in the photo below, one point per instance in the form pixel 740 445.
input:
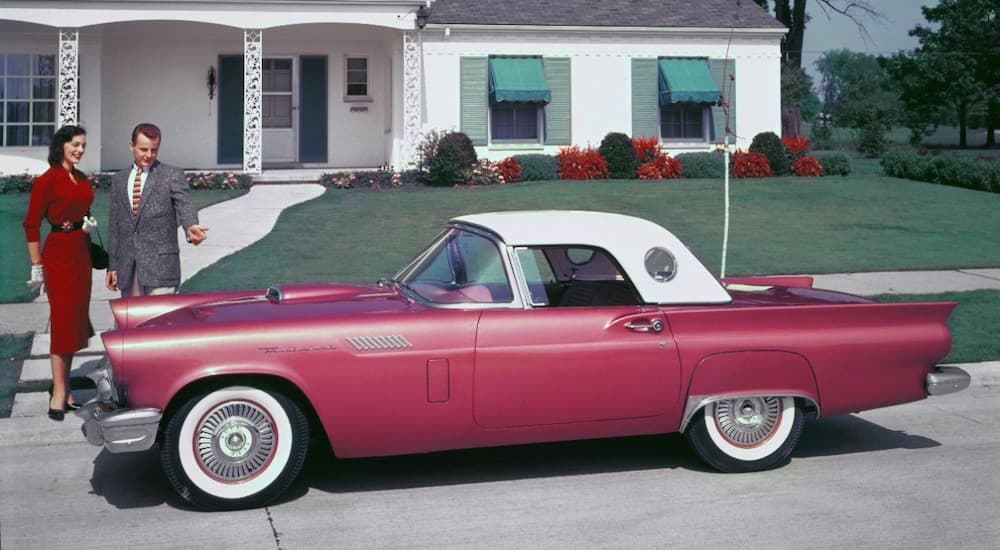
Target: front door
pixel 279 110
pixel 573 364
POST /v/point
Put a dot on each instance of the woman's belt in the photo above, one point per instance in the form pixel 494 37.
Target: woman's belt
pixel 67 227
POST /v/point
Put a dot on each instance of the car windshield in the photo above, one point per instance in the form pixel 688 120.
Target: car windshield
pixel 458 267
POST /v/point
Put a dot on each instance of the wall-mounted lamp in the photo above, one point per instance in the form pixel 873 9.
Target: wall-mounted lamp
pixel 210 82
pixel 422 14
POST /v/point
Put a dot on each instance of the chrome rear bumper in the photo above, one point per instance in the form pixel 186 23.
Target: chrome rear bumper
pixel 120 430
pixel 942 380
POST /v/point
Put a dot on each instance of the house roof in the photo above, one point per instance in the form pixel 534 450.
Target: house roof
pixel 604 13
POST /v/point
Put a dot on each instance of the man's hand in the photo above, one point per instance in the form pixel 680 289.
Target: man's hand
pixel 111 280
pixel 196 234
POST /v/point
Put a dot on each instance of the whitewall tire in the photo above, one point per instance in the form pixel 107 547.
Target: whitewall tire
pixel 746 434
pixel 235 447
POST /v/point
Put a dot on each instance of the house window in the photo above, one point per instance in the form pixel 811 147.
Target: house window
pixel 276 94
pixel 27 99
pixel 514 121
pixel 683 121
pixel 356 79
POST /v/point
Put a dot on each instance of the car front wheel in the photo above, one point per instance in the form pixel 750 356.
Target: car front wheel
pixel 235 447
pixel 746 434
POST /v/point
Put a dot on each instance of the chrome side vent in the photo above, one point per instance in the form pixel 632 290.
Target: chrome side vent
pixel 378 343
pixel 273 294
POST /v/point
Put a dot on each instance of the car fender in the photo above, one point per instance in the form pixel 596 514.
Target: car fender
pixel 750 373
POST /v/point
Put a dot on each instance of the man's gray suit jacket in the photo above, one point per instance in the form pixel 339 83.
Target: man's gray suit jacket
pixel 146 243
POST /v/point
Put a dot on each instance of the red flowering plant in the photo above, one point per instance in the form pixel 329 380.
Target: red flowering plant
pixel 646 148
pixel 510 169
pixel 662 167
pixel 576 163
pixel 482 172
pixel 806 166
pixel 750 165
pixel 797 146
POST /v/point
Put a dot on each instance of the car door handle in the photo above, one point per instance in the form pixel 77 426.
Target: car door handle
pixel 643 325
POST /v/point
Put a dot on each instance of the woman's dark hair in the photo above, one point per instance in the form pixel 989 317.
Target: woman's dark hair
pixel 62 136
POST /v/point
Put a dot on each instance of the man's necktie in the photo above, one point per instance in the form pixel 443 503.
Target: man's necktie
pixel 136 191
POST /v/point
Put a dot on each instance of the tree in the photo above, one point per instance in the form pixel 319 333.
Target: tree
pixel 797 89
pixel 966 47
pixel 859 93
pixel 792 13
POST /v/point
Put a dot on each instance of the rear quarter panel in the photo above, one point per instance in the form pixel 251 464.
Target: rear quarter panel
pixel 863 355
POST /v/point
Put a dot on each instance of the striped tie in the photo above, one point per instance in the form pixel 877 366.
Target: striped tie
pixel 136 190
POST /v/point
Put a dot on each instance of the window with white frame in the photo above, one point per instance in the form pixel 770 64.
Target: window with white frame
pixel 27 99
pixel 685 121
pixel 356 83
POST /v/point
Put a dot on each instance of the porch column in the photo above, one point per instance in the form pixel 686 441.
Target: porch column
pixel 412 88
pixel 69 73
pixel 252 88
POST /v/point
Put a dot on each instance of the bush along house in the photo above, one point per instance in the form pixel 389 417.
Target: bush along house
pixel 258 84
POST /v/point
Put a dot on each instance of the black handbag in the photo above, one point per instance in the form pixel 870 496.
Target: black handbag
pixel 98 256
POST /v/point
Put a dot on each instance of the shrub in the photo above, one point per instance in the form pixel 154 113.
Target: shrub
pixel 769 145
pixel 660 168
pixel 454 154
pixel 576 163
pixel 646 149
pixel 806 166
pixel 957 171
pixel 834 164
pixel 618 151
pixel 750 165
pixel 538 167
pixel 872 127
pixel 822 135
pixel 483 172
pixel 216 180
pixel 427 149
pixel 510 169
pixel 702 165
pixel 381 179
pixel 16 183
pixel 797 146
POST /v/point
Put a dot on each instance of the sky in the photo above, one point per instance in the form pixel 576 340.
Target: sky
pixel 838 32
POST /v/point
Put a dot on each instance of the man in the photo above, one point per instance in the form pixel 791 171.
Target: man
pixel 148 202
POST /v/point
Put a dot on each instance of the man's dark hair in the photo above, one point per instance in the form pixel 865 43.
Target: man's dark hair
pixel 151 131
pixel 62 136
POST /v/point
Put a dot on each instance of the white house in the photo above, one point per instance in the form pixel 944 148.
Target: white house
pixel 259 84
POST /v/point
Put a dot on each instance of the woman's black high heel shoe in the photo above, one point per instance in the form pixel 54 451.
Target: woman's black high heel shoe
pixel 57 415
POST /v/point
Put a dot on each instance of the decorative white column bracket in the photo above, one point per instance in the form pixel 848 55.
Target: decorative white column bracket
pixel 412 88
pixel 69 74
pixel 252 91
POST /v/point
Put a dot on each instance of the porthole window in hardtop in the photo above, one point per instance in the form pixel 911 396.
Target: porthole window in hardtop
pixel 660 264
pixel 460 267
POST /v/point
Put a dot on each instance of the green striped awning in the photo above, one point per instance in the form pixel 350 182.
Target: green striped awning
pixel 520 79
pixel 686 80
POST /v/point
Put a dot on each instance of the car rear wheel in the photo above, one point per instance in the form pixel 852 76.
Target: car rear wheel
pixel 747 434
pixel 235 447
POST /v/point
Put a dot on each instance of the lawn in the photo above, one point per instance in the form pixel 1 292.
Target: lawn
pixel 778 225
pixel 14 263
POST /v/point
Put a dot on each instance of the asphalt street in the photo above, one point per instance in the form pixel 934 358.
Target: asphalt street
pixel 914 476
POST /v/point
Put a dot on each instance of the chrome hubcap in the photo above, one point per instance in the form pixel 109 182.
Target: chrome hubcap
pixel 235 441
pixel 748 421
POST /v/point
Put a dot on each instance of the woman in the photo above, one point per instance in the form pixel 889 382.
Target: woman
pixel 62 196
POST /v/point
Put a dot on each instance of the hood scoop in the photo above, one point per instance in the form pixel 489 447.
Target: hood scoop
pixel 287 294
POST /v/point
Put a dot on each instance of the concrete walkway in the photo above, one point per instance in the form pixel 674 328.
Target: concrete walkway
pixel 240 222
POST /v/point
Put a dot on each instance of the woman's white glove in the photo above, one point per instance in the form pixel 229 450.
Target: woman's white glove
pixel 35 283
pixel 89 224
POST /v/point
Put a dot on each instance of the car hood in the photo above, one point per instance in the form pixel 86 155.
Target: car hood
pixel 297 301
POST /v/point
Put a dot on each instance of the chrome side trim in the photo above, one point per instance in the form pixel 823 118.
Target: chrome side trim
pixel 378 343
pixel 944 380
pixel 696 402
pixel 122 430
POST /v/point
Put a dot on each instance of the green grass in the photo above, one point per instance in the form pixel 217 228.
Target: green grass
pixel 778 225
pixel 14 263
pixel 14 348
pixel 975 323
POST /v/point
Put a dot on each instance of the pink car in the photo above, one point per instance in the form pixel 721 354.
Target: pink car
pixel 508 328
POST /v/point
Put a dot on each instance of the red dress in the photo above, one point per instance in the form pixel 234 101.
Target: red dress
pixel 65 257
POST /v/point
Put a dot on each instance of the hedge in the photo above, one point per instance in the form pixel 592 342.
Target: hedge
pixel 955 170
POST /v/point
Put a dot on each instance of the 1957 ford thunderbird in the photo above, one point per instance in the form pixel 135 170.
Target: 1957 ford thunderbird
pixel 508 328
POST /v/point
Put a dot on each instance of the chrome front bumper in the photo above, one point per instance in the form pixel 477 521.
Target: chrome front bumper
pixel 942 380
pixel 120 430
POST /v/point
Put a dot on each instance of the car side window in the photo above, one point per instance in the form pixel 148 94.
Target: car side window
pixel 461 267
pixel 568 276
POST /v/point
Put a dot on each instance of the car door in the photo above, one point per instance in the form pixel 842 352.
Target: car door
pixel 555 363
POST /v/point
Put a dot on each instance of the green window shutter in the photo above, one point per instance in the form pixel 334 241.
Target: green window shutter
pixel 473 106
pixel 727 83
pixel 557 112
pixel 645 98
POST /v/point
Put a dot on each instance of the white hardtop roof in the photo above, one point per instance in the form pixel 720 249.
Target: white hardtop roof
pixel 627 238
